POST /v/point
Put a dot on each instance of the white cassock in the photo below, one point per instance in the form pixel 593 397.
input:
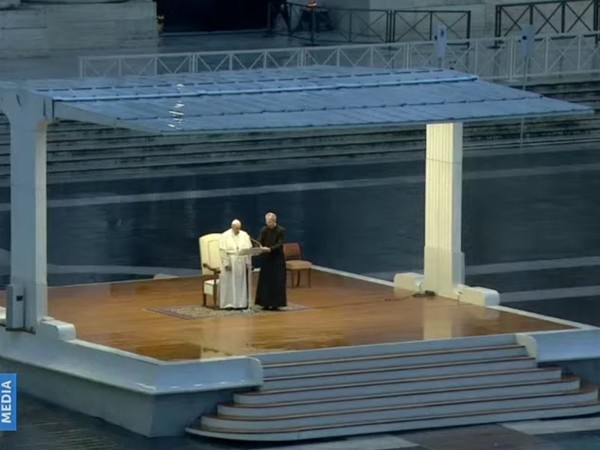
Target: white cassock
pixel 234 284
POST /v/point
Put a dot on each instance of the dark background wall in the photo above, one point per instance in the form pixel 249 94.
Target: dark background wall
pixel 213 15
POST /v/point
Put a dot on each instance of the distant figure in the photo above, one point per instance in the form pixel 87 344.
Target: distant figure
pixel 271 289
pixel 277 7
pixel 234 281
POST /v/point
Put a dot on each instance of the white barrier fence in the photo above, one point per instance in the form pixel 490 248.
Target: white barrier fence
pixel 490 58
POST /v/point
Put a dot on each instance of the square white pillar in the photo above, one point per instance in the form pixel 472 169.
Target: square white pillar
pixel 444 259
pixel 28 218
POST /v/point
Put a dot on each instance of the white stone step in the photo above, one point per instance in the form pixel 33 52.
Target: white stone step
pixel 357 376
pixel 386 349
pixel 404 412
pixel 343 389
pixel 324 366
pixel 397 399
pixel 387 426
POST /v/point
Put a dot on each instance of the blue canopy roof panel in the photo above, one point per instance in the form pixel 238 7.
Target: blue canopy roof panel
pixel 287 99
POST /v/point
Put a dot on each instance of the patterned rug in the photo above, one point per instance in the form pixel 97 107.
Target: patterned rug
pixel 190 312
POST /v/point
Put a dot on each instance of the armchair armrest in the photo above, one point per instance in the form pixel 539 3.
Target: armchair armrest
pixel 215 270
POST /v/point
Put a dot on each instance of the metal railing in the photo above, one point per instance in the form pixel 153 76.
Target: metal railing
pixel 499 58
pixel 548 17
pixel 334 25
pixel 355 25
pixel 422 25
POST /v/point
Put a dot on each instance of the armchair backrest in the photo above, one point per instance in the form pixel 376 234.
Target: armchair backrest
pixel 292 251
pixel 209 251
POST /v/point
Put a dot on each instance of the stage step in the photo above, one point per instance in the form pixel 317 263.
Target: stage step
pixel 399 373
pixel 375 362
pixel 387 426
pixel 330 418
pixel 347 390
pixel 392 348
pixel 396 399
pixel 392 387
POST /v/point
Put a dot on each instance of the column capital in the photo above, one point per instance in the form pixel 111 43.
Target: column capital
pixel 25 109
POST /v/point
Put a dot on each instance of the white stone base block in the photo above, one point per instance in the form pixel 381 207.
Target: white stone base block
pixel 479 296
pixel 408 281
pixel 474 295
pixel 42 30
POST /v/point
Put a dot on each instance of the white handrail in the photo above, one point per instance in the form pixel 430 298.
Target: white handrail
pixel 490 58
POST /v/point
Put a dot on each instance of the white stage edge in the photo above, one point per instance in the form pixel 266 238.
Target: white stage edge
pixel 157 398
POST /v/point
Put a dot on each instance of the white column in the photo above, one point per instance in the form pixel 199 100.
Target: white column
pixel 28 214
pixel 444 271
pixel 444 260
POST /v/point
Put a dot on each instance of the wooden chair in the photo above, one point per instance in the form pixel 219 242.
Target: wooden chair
pixel 294 263
pixel 210 261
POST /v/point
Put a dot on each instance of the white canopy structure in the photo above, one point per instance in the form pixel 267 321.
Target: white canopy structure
pixel 258 100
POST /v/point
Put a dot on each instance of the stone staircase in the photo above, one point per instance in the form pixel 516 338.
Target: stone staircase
pixel 87 152
pixel 394 387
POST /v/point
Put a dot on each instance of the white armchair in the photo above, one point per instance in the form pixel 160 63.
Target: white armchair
pixel 210 261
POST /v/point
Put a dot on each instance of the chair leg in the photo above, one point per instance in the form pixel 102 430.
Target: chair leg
pixel 298 278
pixel 293 278
pixel 215 292
pixel 309 272
pixel 204 298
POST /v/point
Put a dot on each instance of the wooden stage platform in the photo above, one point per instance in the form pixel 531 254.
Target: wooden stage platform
pixel 336 311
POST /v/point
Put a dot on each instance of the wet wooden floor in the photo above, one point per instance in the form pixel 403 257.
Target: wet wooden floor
pixel 338 311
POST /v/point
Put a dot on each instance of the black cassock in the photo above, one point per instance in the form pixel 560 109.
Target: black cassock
pixel 271 289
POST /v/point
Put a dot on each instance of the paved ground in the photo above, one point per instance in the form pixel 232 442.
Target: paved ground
pixel 45 427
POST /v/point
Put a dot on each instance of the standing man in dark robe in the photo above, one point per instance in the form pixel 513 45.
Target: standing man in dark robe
pixel 271 290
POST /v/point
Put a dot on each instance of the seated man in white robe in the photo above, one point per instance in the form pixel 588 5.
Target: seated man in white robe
pixel 234 281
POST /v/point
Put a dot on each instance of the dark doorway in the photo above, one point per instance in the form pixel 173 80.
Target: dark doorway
pixel 212 15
